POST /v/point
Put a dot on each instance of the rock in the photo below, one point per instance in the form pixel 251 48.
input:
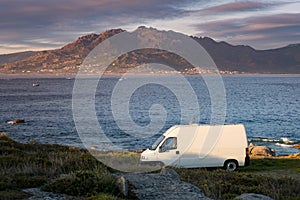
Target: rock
pixel 16 121
pixel 261 151
pixel 32 141
pixel 170 172
pixel 3 134
pixel 297 146
pixel 38 194
pixel 122 185
pixel 253 196
pixel 295 155
pixel 163 185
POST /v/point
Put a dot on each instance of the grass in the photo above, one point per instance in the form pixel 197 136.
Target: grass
pixel 265 164
pixel 125 161
pixel 55 168
pixel 274 177
pixel 73 171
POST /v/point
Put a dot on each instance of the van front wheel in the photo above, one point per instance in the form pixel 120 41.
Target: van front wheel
pixel 231 165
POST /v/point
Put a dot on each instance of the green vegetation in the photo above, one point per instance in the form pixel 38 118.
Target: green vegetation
pixel 55 168
pixel 258 165
pixel 73 171
pixel 278 178
pixel 125 161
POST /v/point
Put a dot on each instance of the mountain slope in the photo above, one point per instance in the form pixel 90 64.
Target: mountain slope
pixel 227 57
pixel 13 57
pixel 64 60
pixel 246 59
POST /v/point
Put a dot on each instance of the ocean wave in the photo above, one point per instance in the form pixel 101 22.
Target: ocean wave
pixel 282 140
pixel 284 145
pixel 287 141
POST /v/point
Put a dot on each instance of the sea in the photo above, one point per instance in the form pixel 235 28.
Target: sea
pixel 267 105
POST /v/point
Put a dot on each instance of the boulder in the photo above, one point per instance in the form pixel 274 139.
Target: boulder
pixel 295 155
pixel 253 196
pixel 261 151
pixel 3 134
pixel 170 172
pixel 122 185
pixel 297 146
pixel 32 141
pixel 18 121
pixel 164 185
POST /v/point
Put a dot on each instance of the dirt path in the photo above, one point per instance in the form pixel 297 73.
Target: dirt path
pixel 163 185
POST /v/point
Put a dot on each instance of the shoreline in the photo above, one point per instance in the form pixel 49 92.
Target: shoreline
pixel 73 75
pixel 73 171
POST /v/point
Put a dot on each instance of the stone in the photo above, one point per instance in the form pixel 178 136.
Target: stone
pixel 164 185
pixel 295 155
pixel 297 146
pixel 38 194
pixel 3 134
pixel 169 172
pixel 32 141
pixel 253 196
pixel 122 185
pixel 18 121
pixel 261 151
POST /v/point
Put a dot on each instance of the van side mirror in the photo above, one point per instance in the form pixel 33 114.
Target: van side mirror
pixel 159 149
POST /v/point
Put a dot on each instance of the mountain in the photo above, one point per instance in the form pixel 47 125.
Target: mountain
pixel 64 60
pixel 228 58
pixel 246 59
pixel 13 57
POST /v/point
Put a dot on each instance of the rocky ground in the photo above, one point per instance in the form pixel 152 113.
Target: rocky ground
pixel 39 171
pixel 163 185
pixel 167 185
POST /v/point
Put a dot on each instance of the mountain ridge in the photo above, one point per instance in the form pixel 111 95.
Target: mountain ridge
pixel 228 58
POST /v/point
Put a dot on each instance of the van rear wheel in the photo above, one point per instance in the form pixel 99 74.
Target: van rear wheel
pixel 231 165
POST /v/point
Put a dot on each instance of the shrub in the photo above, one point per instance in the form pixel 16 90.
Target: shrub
pixel 82 183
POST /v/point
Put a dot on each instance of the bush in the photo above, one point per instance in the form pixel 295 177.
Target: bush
pixel 220 184
pixel 83 183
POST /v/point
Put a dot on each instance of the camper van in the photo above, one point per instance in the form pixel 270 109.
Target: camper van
pixel 193 146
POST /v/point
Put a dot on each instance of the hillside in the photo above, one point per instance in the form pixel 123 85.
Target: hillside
pixel 13 57
pixel 246 59
pixel 227 57
pixel 64 60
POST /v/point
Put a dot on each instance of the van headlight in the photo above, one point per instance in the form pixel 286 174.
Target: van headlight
pixel 144 158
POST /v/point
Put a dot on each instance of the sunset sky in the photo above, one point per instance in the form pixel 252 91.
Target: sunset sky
pixel 38 25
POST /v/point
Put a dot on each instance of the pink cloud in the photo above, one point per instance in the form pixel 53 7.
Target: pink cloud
pixel 259 32
pixel 236 6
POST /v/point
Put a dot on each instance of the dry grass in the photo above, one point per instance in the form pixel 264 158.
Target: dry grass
pixel 260 177
pixel 36 165
pixel 74 171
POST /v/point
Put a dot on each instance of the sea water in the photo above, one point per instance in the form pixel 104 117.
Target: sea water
pixel 268 106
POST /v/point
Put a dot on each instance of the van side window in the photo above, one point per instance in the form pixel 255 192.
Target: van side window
pixel 169 144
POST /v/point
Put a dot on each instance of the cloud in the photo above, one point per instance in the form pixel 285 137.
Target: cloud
pixel 260 32
pixel 65 20
pixel 36 24
pixel 236 7
pixel 39 14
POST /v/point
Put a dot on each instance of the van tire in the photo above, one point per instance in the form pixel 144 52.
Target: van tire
pixel 231 165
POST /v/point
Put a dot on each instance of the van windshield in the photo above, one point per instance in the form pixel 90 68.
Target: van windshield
pixel 157 142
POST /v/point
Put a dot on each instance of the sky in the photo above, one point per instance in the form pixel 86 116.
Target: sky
pixel 50 24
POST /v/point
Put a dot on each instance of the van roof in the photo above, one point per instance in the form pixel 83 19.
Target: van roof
pixel 188 125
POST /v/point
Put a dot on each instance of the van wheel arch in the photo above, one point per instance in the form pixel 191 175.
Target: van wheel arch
pixel 231 165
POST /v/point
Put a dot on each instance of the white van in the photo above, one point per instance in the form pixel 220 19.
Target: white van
pixel 193 146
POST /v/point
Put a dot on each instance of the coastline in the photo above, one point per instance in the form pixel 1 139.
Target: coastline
pixel 73 75
pixel 67 170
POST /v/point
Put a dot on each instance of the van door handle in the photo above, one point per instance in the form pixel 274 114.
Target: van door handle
pixel 177 152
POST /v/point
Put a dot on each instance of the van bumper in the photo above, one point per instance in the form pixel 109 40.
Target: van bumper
pixel 247 161
pixel 152 163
